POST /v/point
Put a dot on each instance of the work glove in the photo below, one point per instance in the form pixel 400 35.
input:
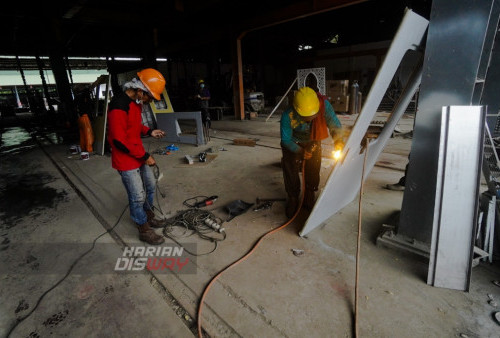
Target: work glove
pixel 306 155
pixel 308 151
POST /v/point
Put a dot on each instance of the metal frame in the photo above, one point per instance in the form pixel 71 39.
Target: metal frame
pixel 319 73
pixel 169 123
pixel 456 196
pixel 345 179
pixel 163 105
pixel 101 118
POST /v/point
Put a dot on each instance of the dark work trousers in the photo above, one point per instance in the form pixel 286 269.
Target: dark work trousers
pixel 292 165
pixel 205 117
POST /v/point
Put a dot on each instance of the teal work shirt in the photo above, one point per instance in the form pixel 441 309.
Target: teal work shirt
pixel 294 130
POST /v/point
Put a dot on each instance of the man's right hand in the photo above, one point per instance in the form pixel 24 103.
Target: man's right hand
pixel 307 155
pixel 150 161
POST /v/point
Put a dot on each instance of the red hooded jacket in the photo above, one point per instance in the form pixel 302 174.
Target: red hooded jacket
pixel 124 133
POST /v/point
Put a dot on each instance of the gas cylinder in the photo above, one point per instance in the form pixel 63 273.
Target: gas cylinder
pixel 354 100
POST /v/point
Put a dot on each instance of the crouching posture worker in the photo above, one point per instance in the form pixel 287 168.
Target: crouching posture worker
pixel 127 152
pixel 303 126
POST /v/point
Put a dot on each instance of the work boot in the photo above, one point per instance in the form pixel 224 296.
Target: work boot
pixel 396 187
pixel 154 222
pixel 291 207
pixel 148 235
pixel 309 199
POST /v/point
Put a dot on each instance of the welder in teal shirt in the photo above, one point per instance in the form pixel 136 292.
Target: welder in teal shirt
pixel 302 127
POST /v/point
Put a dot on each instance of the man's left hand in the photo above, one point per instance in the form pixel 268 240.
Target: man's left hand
pixel 157 133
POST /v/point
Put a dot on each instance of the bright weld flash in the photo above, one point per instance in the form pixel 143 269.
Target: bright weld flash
pixel 337 154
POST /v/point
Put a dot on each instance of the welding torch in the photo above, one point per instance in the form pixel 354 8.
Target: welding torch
pixel 337 150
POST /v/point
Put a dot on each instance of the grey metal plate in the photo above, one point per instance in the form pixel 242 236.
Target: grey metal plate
pixel 169 123
pixel 456 196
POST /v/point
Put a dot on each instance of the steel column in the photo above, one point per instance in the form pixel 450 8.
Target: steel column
pixel 453 53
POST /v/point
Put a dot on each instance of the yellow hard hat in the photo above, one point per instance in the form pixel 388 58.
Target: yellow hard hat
pixel 306 102
pixel 153 81
pixel 201 81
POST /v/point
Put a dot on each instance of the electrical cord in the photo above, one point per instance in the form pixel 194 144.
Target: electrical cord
pixel 260 145
pixel 20 320
pixel 195 220
pixel 251 251
pixel 192 219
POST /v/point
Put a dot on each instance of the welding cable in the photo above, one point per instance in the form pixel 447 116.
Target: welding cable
pixel 20 320
pixel 260 145
pixel 156 173
pixel 207 288
pixel 189 219
pixel 194 220
pixel 358 243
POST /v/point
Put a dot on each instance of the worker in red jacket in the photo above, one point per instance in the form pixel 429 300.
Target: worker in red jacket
pixel 127 152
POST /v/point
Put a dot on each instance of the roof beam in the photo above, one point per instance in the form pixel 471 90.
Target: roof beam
pixel 294 12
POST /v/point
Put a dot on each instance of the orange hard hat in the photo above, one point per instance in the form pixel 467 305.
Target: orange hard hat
pixel 153 81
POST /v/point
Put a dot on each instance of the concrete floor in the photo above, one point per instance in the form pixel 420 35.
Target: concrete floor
pixel 50 217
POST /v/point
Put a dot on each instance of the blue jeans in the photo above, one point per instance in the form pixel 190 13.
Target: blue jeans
pixel 140 184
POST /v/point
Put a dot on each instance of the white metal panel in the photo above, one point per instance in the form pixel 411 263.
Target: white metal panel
pixel 455 216
pixel 345 179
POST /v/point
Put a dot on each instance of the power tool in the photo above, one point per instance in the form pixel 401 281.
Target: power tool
pixel 207 201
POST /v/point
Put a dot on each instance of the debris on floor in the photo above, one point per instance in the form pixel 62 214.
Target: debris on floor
pixel 298 252
pixel 244 142
pixel 263 206
pixel 497 317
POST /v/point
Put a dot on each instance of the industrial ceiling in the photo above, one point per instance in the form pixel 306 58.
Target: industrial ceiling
pixel 192 28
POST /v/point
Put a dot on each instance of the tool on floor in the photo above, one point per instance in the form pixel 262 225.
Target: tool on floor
pixel 207 201
pixel 263 206
pixel 263 200
pixel 200 201
pixel 266 203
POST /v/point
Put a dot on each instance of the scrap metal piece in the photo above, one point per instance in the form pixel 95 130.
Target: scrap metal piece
pixel 346 173
pixel 263 200
pixel 263 206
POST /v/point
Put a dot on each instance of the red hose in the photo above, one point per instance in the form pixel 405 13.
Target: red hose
pixel 207 288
